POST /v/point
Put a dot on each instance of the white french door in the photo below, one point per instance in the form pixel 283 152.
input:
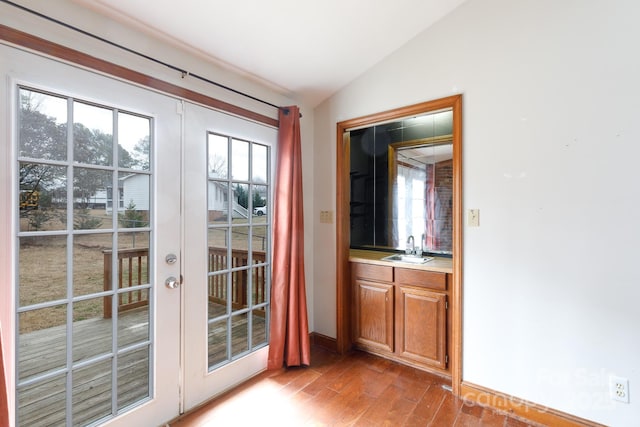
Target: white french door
pixel 139 277
pixel 228 173
pixel 95 333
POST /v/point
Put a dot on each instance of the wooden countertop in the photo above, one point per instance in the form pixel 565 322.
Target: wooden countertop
pixel 443 265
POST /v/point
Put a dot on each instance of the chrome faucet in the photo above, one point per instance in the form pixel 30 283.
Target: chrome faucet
pixel 411 247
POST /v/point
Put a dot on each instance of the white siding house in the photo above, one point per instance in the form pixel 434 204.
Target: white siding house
pixel 218 201
pixel 135 188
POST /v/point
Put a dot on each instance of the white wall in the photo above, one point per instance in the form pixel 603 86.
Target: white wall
pixel 550 147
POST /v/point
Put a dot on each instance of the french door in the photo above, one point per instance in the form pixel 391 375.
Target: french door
pixel 137 291
pixel 228 174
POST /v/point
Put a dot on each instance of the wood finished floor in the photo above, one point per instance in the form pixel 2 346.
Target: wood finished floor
pixel 357 389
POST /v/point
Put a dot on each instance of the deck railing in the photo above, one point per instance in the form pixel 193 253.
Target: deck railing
pixel 133 270
pixel 217 283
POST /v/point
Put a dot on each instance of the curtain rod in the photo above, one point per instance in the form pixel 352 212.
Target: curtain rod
pixel 183 72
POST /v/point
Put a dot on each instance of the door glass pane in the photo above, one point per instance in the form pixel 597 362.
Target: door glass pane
pixel 260 197
pixel 49 393
pixel 218 202
pixel 217 340
pixel 133 247
pixel 218 259
pixel 91 396
pixel 240 258
pixel 240 203
pixel 81 300
pixel 240 244
pixel 89 199
pixel 239 334
pixel 134 201
pixel 133 141
pixel 259 327
pixel 259 243
pixel 42 130
pixel 259 171
pixel 91 255
pixel 92 331
pixel 43 197
pixel 238 278
pixel 259 280
pixel 218 162
pixel 42 332
pixel 92 134
pixel 133 317
pixel 240 160
pixel 217 295
pixel 42 257
pixel 133 377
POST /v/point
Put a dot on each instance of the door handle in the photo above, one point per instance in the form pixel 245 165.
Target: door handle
pixel 171 282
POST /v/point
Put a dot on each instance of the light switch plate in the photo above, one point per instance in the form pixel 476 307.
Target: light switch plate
pixel 326 217
pixel 473 217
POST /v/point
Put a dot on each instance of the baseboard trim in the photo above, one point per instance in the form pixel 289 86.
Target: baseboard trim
pixel 324 341
pixel 521 408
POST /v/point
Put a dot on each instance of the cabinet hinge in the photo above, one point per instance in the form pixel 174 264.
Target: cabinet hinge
pixel 446 358
pixel 446 305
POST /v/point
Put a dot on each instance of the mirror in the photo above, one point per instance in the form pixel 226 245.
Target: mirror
pixel 401 183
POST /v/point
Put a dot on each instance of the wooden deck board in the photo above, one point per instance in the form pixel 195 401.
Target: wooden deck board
pixel 43 403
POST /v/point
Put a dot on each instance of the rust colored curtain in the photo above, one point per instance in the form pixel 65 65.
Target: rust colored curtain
pixel 4 401
pixel 289 330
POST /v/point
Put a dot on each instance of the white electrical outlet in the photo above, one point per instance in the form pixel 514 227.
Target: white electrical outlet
pixel 619 389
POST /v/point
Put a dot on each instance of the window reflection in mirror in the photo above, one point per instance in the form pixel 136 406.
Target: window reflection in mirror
pixel 421 178
pixel 401 179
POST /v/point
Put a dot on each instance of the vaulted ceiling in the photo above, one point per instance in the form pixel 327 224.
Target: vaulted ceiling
pixel 309 49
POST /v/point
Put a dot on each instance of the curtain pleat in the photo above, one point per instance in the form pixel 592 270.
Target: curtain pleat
pixel 289 329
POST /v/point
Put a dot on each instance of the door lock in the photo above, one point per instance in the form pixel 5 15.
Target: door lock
pixel 172 282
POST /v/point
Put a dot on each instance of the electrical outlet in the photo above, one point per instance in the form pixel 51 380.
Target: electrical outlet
pixel 619 389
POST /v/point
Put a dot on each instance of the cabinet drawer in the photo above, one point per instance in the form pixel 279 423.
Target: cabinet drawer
pixel 428 279
pixel 373 272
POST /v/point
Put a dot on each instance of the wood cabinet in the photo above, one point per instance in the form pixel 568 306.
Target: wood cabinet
pixel 421 325
pixel 374 314
pixel 401 313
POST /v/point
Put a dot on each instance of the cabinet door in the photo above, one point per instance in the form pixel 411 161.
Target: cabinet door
pixel 373 320
pixel 421 325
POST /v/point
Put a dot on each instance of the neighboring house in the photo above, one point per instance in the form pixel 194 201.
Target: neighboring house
pixel 133 188
pixel 218 202
pixel 99 200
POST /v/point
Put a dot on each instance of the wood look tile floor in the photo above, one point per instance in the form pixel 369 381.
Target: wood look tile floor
pixel 357 389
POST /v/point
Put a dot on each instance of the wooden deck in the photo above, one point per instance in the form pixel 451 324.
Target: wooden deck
pixel 44 403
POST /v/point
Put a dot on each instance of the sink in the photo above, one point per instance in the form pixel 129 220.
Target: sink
pixel 412 259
